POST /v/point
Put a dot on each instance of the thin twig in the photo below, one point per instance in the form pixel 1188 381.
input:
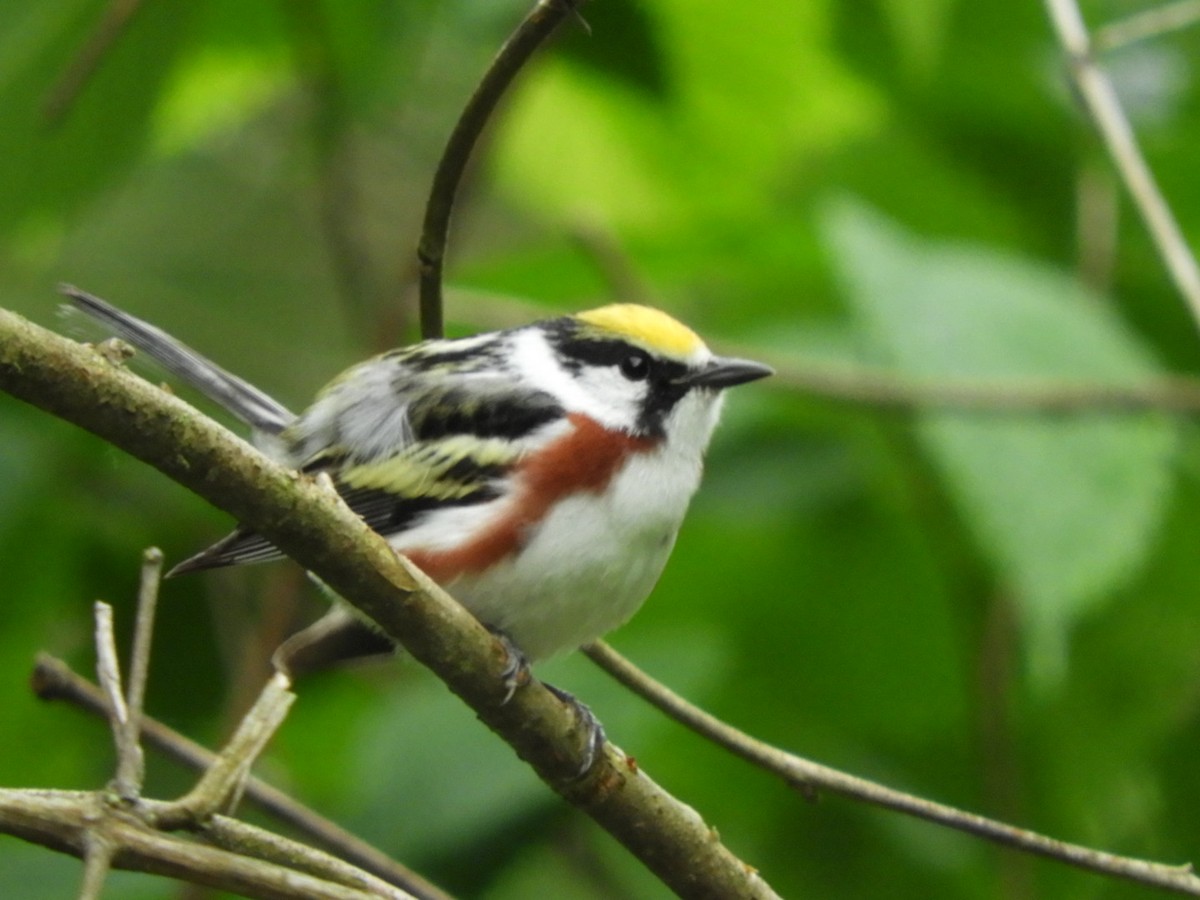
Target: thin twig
pixel 1102 104
pixel 65 91
pixel 131 767
pixel 542 20
pixel 809 777
pixel 108 831
pixel 249 840
pixel 129 754
pixel 97 863
pixel 1147 24
pixel 885 389
pixel 108 670
pixel 222 784
pixel 53 679
pixel 139 661
pixel 109 827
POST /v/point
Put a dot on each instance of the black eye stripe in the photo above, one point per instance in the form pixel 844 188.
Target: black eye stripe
pixel 590 351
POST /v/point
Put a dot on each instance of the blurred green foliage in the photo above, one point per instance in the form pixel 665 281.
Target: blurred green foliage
pixel 995 612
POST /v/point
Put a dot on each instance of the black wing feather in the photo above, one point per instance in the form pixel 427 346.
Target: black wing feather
pixel 498 410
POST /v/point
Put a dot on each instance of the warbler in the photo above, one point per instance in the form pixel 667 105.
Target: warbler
pixel 539 474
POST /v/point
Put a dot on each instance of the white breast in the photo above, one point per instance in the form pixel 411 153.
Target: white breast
pixel 591 563
pixel 596 556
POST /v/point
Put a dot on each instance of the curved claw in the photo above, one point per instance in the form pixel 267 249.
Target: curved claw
pixel 596 738
pixel 516 668
pixel 516 673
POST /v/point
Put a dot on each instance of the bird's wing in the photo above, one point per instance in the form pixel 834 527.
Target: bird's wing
pixel 399 441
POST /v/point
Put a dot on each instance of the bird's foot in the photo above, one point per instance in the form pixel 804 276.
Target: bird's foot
pixel 593 746
pixel 516 668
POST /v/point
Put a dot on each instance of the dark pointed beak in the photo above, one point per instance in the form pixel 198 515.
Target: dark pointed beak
pixel 724 372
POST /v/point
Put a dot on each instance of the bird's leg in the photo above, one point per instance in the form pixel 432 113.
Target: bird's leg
pixel 336 638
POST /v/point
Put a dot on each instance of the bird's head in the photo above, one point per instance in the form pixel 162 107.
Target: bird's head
pixel 633 368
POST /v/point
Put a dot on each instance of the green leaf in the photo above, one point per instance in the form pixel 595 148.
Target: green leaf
pixel 1064 507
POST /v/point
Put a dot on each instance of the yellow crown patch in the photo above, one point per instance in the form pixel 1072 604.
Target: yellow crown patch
pixel 646 325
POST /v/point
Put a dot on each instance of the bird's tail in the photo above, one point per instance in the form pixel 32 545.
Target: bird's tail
pixel 258 410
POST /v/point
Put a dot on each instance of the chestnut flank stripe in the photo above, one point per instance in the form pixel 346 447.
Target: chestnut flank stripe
pixel 584 459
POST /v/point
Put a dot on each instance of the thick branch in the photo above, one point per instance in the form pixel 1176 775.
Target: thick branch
pixel 312 525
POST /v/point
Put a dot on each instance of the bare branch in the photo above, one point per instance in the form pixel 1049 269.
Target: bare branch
pixel 222 784
pixel 131 763
pixel 1101 102
pixel 112 824
pixel 1150 23
pixel 97 863
pixel 248 840
pixel 809 777
pixel 129 755
pixel 885 389
pixel 67 821
pixel 541 22
pixel 143 635
pixel 53 680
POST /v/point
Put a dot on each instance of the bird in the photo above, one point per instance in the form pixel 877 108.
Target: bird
pixel 539 474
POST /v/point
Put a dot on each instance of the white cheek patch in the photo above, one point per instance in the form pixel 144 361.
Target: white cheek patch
pixel 616 401
pixel 600 392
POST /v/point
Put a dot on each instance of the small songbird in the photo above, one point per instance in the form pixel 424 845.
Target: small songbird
pixel 539 474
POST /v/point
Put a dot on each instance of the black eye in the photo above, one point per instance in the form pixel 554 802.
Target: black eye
pixel 635 366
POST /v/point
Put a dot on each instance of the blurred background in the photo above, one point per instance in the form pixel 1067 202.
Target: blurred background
pixel 997 611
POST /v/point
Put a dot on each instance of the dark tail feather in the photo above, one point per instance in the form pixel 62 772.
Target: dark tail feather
pixel 234 549
pixel 258 410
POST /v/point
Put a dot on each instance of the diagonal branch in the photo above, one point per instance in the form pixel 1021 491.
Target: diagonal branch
pixel 222 784
pixel 809 777
pixel 311 524
pixel 1102 104
pixel 1150 23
